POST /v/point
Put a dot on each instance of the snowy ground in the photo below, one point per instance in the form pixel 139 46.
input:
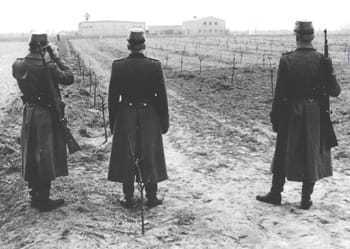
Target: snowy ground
pixel 218 152
pixel 9 51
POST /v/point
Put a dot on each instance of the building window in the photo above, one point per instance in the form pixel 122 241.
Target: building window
pixel 205 23
pixel 209 23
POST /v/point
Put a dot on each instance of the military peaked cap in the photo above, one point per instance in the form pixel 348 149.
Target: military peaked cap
pixel 39 40
pixel 136 39
pixel 303 27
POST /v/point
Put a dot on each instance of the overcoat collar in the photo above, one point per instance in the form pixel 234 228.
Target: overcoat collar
pixel 305 47
pixel 136 55
pixel 33 56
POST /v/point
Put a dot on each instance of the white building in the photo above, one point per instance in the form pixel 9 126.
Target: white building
pixel 204 26
pixel 108 28
pixel 165 29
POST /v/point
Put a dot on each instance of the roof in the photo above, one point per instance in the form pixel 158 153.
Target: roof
pixel 203 19
pixel 164 26
pixel 111 21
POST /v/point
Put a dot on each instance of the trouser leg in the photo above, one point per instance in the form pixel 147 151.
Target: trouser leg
pixel 278 181
pixel 44 191
pixel 34 183
pixel 151 190
pixel 44 202
pixel 307 190
pixel 40 194
pixel 128 189
pixel 151 194
pixel 274 196
pixel 34 190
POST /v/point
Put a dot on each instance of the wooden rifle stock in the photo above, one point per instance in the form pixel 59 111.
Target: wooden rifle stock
pixel 58 106
pixel 326 121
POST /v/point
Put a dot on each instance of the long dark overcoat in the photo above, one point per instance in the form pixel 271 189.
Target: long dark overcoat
pixel 302 147
pixel 44 153
pixel 137 79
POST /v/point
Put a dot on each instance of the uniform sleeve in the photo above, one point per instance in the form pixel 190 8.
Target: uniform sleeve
pixel 332 87
pixel 62 73
pixel 113 96
pixel 279 96
pixel 162 98
pixel 18 69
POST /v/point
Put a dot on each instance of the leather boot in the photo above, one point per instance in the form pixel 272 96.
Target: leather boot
pixel 128 201
pixel 151 194
pixel 274 196
pixel 153 202
pixel 270 197
pixel 50 204
pixel 307 189
pixel 43 203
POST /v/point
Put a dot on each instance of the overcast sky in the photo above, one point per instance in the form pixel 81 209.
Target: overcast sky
pixel 48 15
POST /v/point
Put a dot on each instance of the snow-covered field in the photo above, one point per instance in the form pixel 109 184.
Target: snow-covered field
pixel 218 151
pixel 9 51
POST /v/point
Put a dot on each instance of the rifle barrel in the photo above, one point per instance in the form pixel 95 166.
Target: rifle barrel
pixel 325 43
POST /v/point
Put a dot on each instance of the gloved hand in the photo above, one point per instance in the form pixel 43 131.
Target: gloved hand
pixel 164 126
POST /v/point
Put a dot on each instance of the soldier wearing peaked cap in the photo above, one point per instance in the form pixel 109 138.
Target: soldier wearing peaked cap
pixel 44 155
pixel 304 141
pixel 138 114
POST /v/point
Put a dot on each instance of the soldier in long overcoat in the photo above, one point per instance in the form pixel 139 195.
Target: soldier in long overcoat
pixel 299 116
pixel 44 154
pixel 138 114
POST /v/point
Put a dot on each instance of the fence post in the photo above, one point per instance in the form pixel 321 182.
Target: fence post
pixel 241 60
pixel 83 74
pixel 95 88
pixel 200 58
pixel 79 64
pixel 166 60
pixel 181 63
pixel 263 60
pixel 90 82
pixel 233 68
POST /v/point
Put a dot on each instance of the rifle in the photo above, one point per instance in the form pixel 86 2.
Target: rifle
pixel 140 182
pixel 325 105
pixel 325 44
pixel 58 106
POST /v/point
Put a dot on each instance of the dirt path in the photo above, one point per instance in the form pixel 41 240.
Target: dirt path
pixel 216 168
